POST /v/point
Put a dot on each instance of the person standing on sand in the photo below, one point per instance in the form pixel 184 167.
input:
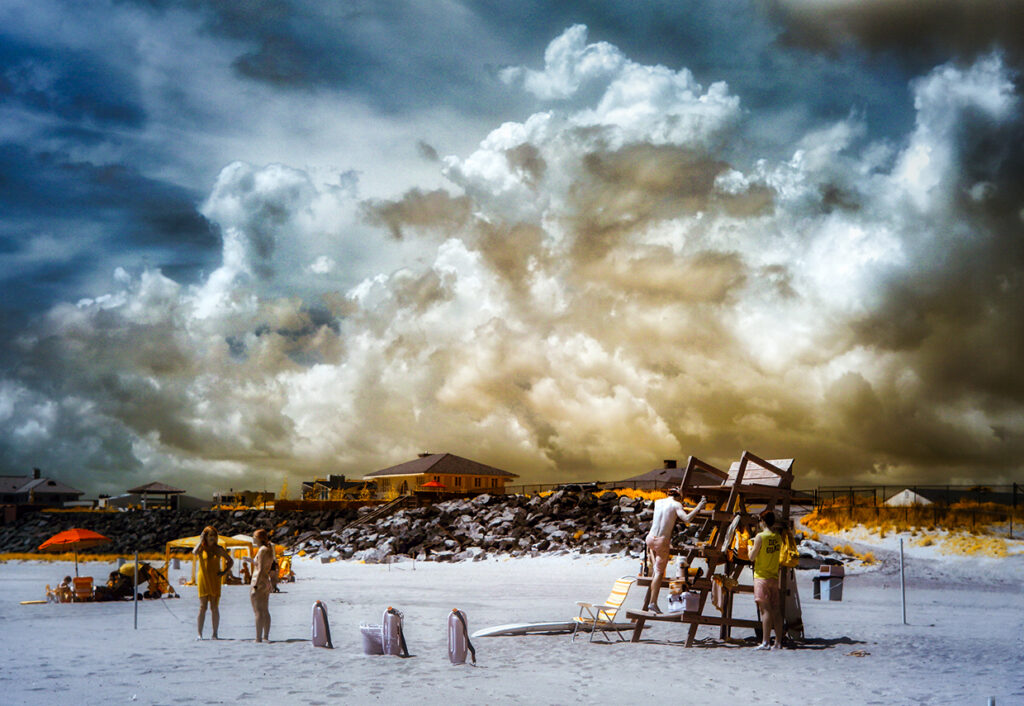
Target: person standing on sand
pixel 261 586
pixel 659 539
pixel 208 580
pixel 764 554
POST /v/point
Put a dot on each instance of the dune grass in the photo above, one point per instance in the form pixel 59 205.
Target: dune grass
pixel 82 558
pixel 964 528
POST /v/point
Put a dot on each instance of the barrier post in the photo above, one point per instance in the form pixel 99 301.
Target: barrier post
pixel 135 590
pixel 903 584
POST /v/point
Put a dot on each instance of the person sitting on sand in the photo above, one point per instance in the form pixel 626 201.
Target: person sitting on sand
pixel 208 555
pixel 65 591
pixel 765 551
pixel 659 539
pixel 261 586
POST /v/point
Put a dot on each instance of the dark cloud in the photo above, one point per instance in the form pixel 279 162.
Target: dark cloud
pixel 110 206
pixel 624 190
pixel 929 31
pixel 74 86
pixel 433 211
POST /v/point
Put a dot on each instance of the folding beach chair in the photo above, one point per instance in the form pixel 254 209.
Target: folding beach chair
pixel 83 588
pixel 602 617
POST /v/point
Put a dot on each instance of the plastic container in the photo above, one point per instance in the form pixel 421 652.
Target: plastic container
pixel 373 639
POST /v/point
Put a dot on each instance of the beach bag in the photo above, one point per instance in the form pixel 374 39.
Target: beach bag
pixel 458 638
pixel 321 628
pixel 789 555
pixel 392 634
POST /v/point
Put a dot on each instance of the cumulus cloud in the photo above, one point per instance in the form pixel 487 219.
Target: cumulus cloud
pixel 602 285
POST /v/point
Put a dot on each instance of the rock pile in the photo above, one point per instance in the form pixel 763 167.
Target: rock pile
pixel 452 530
pixel 150 530
pixel 455 530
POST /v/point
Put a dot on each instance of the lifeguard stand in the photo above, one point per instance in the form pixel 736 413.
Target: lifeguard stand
pixel 751 485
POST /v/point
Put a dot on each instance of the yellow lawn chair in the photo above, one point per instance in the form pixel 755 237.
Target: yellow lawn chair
pixel 83 588
pixel 602 617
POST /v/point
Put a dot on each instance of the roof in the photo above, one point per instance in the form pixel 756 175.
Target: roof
pixel 155 488
pixel 23 484
pixel 907 497
pixel 672 477
pixel 447 464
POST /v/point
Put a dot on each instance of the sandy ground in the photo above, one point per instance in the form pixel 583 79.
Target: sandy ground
pixel 963 644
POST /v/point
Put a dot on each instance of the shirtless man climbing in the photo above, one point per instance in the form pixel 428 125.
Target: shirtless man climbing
pixel 659 539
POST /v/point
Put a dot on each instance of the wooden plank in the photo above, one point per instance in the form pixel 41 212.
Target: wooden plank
pixel 754 472
pixel 692 618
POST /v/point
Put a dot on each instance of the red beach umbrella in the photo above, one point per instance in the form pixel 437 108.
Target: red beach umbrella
pixel 73 539
pixel 432 484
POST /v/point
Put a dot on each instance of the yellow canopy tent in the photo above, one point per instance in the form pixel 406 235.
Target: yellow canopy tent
pixel 187 544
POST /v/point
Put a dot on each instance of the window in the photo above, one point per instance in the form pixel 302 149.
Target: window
pixel 437 479
pixel 494 482
pixel 476 482
pixel 458 481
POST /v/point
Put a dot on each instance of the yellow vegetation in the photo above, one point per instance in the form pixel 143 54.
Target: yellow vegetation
pixel 971 545
pixel 970 528
pixel 848 550
pixel 836 516
pixel 82 558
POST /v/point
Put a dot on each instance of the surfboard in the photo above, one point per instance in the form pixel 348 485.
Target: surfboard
pixel 526 629
pixel 33 602
pixel 554 628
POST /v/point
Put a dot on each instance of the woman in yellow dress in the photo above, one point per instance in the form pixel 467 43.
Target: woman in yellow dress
pixel 208 580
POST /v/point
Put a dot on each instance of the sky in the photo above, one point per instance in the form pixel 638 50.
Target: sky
pixel 248 244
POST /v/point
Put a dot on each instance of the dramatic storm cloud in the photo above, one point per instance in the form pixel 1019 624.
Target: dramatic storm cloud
pixel 633 258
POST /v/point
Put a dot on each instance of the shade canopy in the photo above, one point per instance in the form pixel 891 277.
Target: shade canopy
pixel 432 484
pixel 189 543
pixel 73 540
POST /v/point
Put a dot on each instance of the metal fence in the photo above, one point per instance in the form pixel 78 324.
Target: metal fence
pixel 996 508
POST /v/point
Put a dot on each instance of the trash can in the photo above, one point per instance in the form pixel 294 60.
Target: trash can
pixel 828 584
pixel 373 639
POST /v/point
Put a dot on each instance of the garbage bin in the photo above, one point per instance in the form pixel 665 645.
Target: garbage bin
pixel 828 584
pixel 373 639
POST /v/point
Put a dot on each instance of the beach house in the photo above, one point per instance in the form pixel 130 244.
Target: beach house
pixel 36 491
pixel 670 475
pixel 440 473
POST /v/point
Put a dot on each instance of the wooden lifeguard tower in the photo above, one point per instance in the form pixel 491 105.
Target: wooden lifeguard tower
pixel 751 485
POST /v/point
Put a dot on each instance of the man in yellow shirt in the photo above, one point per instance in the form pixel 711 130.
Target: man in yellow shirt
pixel 764 554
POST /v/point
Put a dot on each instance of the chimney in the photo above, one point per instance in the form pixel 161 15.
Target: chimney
pixel 35 473
pixel 669 463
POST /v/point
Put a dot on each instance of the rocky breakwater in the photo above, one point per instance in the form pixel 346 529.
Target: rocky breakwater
pixel 150 530
pixel 452 530
pixel 516 525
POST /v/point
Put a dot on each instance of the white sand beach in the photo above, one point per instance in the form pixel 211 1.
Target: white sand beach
pixel 963 643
